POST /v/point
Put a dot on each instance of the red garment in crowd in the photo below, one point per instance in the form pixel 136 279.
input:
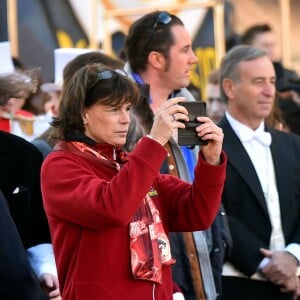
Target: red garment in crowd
pixel 5 122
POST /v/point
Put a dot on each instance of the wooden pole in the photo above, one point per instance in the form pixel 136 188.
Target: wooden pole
pixel 94 25
pixel 107 40
pixel 219 31
pixel 12 25
pixel 285 32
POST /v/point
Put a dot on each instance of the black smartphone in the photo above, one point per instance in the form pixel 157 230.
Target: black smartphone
pixel 188 136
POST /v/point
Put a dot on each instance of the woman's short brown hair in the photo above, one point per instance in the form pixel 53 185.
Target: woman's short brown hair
pixel 93 83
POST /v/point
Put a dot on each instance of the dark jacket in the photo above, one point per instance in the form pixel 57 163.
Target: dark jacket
pixel 17 280
pixel 20 164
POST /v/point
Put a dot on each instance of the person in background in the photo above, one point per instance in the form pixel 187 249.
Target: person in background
pixel 93 57
pixel 51 95
pixel 19 115
pixel 15 88
pixel 215 106
pixel 261 193
pixel 195 91
pixel 20 164
pixel 160 57
pixel 262 36
pixel 289 102
pixel 275 119
pixel 110 212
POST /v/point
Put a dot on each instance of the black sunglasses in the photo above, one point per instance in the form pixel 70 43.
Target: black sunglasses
pixel 162 18
pixel 105 74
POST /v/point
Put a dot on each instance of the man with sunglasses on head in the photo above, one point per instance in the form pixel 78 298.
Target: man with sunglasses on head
pixel 160 58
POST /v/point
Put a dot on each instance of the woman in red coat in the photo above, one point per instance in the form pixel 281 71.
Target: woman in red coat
pixel 110 212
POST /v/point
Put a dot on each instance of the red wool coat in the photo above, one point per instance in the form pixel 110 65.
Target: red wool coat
pixel 89 204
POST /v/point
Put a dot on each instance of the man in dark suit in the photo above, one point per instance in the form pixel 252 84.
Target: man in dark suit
pixel 262 190
pixel 16 275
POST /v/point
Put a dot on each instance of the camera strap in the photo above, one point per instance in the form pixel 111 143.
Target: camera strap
pixel 188 238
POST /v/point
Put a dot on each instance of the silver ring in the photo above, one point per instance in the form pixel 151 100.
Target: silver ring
pixel 174 117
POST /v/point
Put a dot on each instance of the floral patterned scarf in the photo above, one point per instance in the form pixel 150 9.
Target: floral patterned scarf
pixel 149 245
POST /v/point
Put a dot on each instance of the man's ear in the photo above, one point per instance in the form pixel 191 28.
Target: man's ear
pixel 228 87
pixel 156 60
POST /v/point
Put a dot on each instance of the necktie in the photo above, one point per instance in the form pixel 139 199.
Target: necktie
pixel 263 137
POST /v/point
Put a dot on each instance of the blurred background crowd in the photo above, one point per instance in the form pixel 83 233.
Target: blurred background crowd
pixel 33 31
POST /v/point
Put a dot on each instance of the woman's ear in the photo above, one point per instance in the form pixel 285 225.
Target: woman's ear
pixel 84 118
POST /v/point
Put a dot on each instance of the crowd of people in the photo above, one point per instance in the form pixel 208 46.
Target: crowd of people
pixel 98 200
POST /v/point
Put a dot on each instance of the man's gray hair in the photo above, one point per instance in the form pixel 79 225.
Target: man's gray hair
pixel 231 61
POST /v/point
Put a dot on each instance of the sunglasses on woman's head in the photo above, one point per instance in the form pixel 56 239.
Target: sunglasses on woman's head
pixel 105 74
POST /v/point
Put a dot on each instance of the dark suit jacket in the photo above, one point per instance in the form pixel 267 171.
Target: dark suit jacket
pixel 20 164
pixel 17 280
pixel 244 201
